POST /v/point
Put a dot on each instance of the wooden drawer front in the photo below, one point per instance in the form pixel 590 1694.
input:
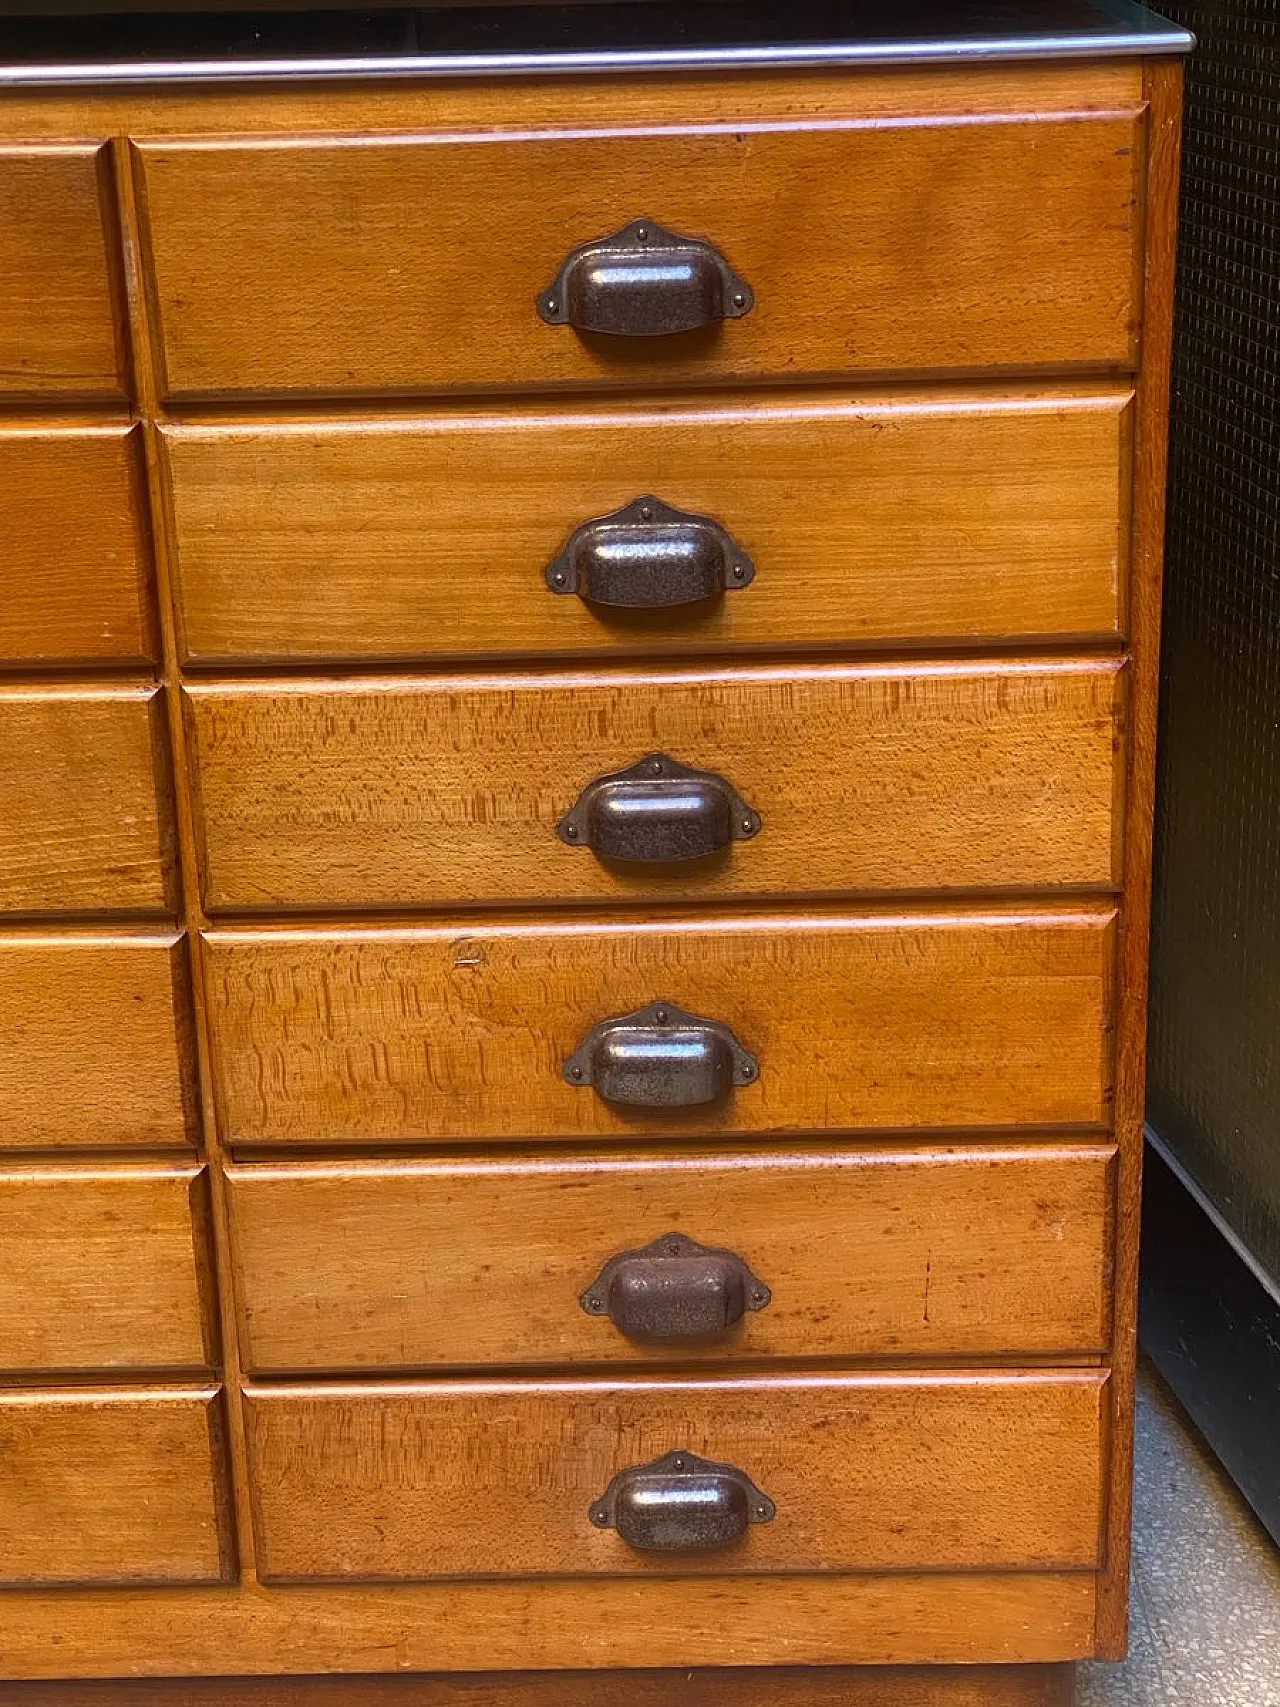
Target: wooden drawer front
pixel 57 323
pixel 111 1487
pixel 868 1472
pixel 911 520
pixel 97 1042
pixel 462 1030
pixel 410 1265
pixel 448 790
pixel 76 558
pixel 366 264
pixel 102 1270
pixel 84 818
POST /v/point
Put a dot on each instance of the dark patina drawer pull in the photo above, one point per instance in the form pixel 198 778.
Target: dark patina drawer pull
pixel 674 1289
pixel 680 1502
pixel 661 1057
pixel 644 282
pixel 659 810
pixel 647 555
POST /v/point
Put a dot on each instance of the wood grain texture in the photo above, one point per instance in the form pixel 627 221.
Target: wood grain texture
pixel 467 104
pixel 446 790
pixel 1164 138
pixel 85 819
pixel 869 1473
pixel 901 1616
pixel 57 319
pixel 110 1486
pixel 770 1686
pixel 933 1618
pixel 97 1043
pixel 77 560
pixel 318 265
pixel 915 518
pixel 142 341
pixel 987 1251
pixel 102 1270
pixel 436 1033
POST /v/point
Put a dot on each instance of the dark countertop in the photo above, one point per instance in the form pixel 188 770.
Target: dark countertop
pixel 67 42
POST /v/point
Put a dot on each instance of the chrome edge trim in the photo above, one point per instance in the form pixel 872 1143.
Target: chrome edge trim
pixel 809 56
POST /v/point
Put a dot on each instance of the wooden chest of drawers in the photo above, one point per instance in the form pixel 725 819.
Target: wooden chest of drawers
pixel 576 771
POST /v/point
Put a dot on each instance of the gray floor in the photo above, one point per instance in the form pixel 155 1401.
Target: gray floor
pixel 1205 1624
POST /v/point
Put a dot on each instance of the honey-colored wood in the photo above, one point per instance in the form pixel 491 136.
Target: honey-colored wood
pixel 761 1686
pixel 110 1486
pixel 85 823
pixel 917 518
pixel 939 1617
pixel 102 1270
pixel 446 790
pixel 398 106
pixel 77 576
pixel 460 1030
pixel 57 320
pixel 868 1472
pixel 942 1252
pixel 804 1620
pixel 1164 90
pixel 145 374
pixel 358 264
pixel 97 1047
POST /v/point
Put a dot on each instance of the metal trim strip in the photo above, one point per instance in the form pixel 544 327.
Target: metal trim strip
pixel 803 56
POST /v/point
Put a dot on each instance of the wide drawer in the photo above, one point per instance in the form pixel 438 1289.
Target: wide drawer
pixel 985 1251
pixel 98 1049
pixel 112 1487
pixel 102 1269
pixel 866 1472
pixel 985 1018
pixel 954 241
pixel 85 822
pixel 57 321
pixel 449 790
pixel 917 519
pixel 77 572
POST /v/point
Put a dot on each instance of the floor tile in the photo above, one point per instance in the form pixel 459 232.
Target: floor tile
pixel 1205 1620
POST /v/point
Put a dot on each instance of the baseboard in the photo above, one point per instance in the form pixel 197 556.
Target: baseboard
pixel 1211 1323
pixel 791 1686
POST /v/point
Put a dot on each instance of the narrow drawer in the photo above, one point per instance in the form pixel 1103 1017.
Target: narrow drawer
pixel 916 519
pixel 866 1472
pixel 983 1019
pixel 97 1041
pixel 112 1487
pixel 450 790
pixel 103 1269
pixel 77 575
pixel 985 1251
pixel 974 241
pixel 57 320
pixel 85 821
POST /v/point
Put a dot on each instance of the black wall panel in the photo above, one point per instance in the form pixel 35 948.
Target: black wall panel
pixel 1210 1313
pixel 1215 1028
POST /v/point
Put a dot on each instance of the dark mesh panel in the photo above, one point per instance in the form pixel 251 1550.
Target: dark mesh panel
pixel 1215 1040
